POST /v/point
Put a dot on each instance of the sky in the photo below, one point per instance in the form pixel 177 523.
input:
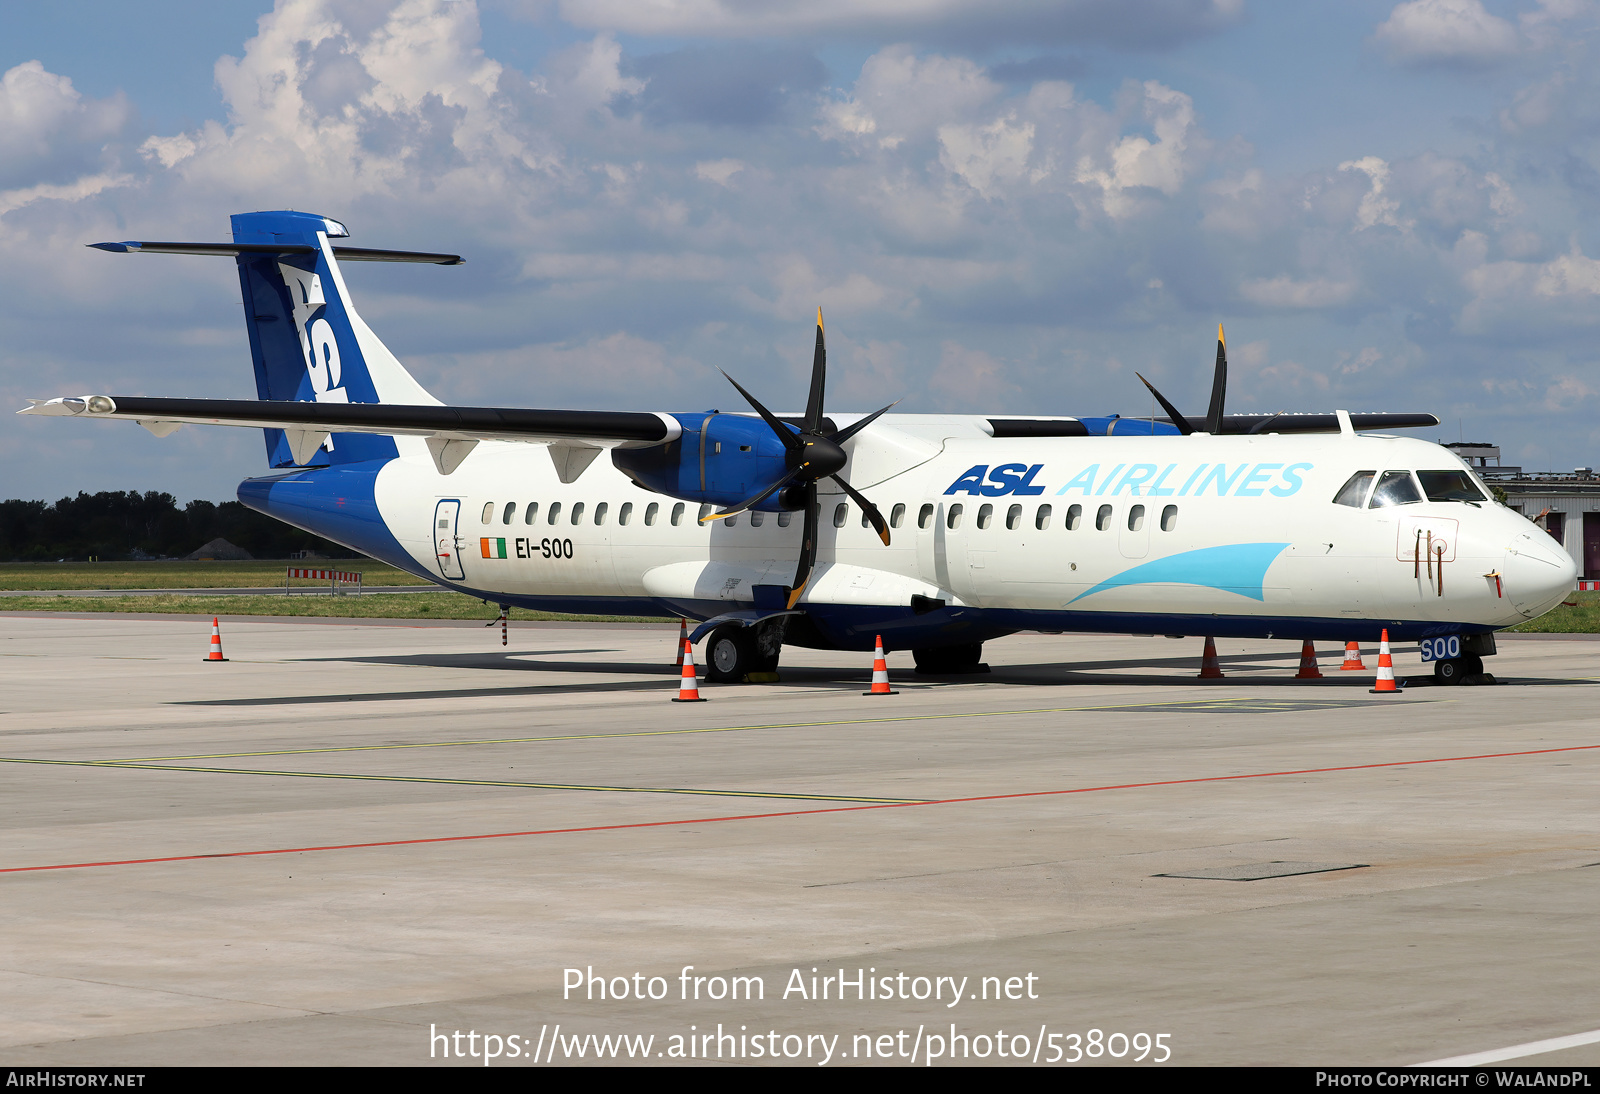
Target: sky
pixel 1002 207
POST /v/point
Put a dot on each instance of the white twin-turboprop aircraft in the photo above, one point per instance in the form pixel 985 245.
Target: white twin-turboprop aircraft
pixel 1289 526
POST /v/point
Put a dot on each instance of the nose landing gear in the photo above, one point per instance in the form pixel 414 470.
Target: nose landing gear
pixel 1466 669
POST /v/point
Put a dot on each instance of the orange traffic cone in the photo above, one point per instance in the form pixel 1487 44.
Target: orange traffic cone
pixel 1386 682
pixel 683 636
pixel 1352 658
pixel 880 673
pixel 1308 663
pixel 216 642
pixel 1209 667
pixel 689 686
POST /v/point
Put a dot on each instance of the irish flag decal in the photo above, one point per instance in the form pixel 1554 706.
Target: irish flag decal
pixel 492 548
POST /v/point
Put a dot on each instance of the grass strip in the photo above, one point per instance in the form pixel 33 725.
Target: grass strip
pixel 1579 615
pixel 188 575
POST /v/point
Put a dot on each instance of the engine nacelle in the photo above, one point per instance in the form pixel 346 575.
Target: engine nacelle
pixel 720 458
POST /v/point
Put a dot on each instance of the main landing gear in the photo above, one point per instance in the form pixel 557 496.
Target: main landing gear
pixel 734 652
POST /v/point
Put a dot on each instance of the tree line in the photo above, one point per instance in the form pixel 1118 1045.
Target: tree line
pixel 117 525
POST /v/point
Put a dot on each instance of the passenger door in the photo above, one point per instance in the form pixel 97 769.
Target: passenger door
pixel 447 544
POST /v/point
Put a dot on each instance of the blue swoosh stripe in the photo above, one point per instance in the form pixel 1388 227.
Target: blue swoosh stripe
pixel 1237 568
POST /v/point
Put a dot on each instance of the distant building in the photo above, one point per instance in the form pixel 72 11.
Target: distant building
pixel 1564 503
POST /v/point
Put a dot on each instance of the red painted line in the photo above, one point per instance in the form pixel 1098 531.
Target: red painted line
pixel 796 812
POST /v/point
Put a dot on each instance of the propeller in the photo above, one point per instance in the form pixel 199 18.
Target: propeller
pixel 810 455
pixel 1219 391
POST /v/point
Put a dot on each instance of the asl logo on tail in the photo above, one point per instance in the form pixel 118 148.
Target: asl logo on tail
pixel 318 346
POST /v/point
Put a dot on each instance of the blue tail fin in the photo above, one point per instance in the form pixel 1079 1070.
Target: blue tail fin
pixel 306 340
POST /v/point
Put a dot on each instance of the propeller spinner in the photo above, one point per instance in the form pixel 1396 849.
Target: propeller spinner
pixel 810 455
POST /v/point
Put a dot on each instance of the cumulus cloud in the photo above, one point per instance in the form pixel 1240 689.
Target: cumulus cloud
pixel 1377 207
pixel 1447 31
pixel 1136 163
pixel 49 133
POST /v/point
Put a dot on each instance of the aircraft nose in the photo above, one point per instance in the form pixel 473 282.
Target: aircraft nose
pixel 1538 575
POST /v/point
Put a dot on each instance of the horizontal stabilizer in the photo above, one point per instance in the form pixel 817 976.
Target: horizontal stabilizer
pixel 234 250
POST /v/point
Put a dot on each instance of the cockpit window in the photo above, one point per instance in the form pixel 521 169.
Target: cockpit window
pixel 1395 488
pixel 1354 492
pixel 1449 486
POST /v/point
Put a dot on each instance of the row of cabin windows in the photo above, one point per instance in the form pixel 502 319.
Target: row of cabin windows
pixel 602 510
pixel 1071 519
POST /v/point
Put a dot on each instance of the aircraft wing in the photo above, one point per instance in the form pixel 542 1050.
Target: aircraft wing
pixel 451 431
pixel 1322 423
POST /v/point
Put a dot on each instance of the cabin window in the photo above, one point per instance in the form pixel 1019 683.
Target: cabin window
pixel 677 514
pixel 1169 518
pixel 511 511
pixel 1136 518
pixel 1102 519
pixel 577 512
pixel 706 511
pixel 625 514
pixel 1354 491
pixel 1013 518
pixel 732 522
pixel 1074 518
pixel 1395 488
pixel 985 515
pixel 600 512
pixel 841 513
pixel 555 512
pixel 651 512
pixel 1449 486
pixel 531 512
pixel 925 516
pixel 866 521
pixel 952 518
pixel 897 515
pixel 1041 519
pixel 488 512
pixel 757 518
pixel 784 518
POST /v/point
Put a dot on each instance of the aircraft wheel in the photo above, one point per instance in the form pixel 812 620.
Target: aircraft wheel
pixel 949 660
pixel 1451 670
pixel 731 654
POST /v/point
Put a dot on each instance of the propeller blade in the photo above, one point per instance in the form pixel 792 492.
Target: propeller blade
pixel 1172 412
pixel 751 503
pixel 819 382
pixel 878 523
pixel 1219 386
pixel 808 545
pixel 785 434
pixel 850 431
